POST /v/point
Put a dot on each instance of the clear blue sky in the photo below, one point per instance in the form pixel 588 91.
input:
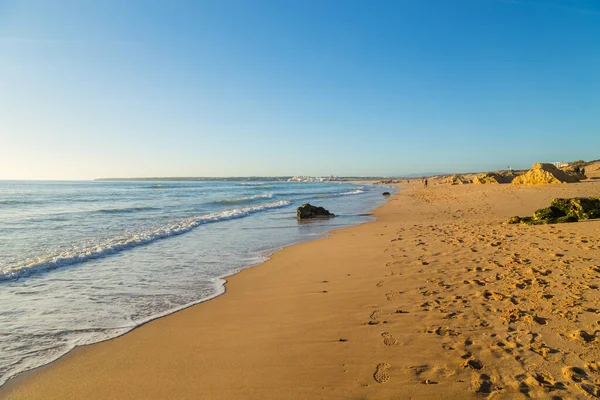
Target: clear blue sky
pixel 219 88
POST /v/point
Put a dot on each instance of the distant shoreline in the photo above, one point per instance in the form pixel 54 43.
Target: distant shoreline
pixel 232 179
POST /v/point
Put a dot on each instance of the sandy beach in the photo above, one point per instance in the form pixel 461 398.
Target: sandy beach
pixel 434 299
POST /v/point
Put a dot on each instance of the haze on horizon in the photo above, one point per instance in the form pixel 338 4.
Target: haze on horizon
pixel 276 88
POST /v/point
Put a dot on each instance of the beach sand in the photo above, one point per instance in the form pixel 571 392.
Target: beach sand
pixel 436 299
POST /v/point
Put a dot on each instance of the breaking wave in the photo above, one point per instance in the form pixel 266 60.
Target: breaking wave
pixel 351 193
pixel 244 200
pixel 118 244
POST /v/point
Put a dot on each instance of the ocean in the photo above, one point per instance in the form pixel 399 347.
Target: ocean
pixel 82 262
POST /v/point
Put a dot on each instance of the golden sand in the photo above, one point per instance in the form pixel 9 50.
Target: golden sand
pixel 435 299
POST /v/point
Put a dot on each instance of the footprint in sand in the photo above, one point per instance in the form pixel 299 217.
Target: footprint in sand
pixel 419 369
pixel 513 315
pixel 391 296
pixel 444 331
pixel 593 390
pixel 549 353
pixel 594 366
pixel 474 282
pixel 579 376
pixel 489 295
pixel 381 375
pixel 547 381
pixel 574 374
pixel 375 317
pixel 482 384
pixel 473 364
pixel 584 337
pixel 389 339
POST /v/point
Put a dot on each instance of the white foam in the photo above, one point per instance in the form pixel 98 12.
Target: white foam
pixel 118 244
pixel 350 193
pixel 357 191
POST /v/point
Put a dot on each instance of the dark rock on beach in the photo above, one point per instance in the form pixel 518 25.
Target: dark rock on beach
pixel 562 210
pixel 580 207
pixel 307 211
pixel 386 194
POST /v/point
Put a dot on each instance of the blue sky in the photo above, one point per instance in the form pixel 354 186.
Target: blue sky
pixel 220 88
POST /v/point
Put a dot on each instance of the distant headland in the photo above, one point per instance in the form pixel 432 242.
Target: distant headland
pixel 253 179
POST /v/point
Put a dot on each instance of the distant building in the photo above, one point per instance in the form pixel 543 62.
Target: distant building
pixel 302 179
pixel 560 164
pixel 312 179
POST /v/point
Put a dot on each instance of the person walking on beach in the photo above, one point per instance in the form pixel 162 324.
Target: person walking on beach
pixel 425 182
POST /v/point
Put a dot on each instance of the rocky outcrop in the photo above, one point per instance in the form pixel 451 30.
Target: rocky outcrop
pixel 489 178
pixel 457 180
pixel 307 211
pixel 587 170
pixel 562 210
pixel 577 169
pixel 494 178
pixel 544 174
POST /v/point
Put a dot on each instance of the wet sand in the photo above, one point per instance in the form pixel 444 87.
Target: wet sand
pixel 435 299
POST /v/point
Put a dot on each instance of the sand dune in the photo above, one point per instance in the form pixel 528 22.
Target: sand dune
pixel 436 299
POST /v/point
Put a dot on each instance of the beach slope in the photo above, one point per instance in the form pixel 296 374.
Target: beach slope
pixel 435 299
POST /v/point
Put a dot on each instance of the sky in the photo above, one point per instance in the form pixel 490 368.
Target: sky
pixel 151 88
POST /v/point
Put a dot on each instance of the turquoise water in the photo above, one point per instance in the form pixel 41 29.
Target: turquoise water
pixel 82 262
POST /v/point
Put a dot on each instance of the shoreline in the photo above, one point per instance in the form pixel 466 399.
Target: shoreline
pixel 432 299
pixel 220 286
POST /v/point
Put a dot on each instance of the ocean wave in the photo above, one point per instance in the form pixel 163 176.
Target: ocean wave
pixel 18 202
pixel 260 187
pixel 357 191
pixel 167 186
pixel 131 240
pixel 243 200
pixel 306 194
pixel 83 200
pixel 171 186
pixel 350 193
pixel 253 183
pixel 126 210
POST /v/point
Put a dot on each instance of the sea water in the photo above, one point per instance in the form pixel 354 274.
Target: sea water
pixel 82 262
